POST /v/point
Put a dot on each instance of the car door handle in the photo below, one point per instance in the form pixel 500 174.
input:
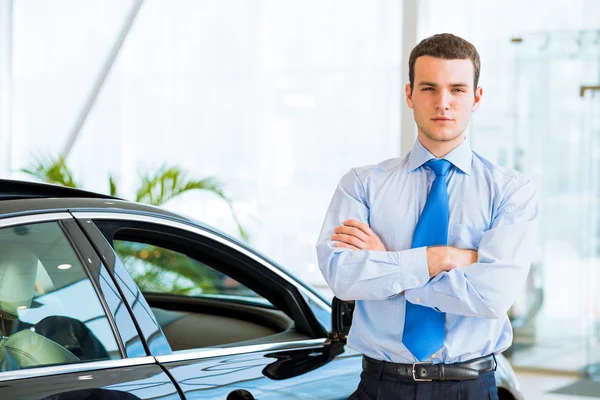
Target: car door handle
pixel 240 394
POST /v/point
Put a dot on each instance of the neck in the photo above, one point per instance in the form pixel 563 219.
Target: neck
pixel 440 148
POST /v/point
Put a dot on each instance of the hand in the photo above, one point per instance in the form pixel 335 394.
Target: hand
pixel 463 258
pixel 356 235
pixel 446 258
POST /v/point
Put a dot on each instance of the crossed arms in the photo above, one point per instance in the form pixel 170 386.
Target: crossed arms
pixel 482 283
pixel 356 235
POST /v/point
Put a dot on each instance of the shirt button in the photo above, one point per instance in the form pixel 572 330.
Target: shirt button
pixel 417 282
pixel 418 300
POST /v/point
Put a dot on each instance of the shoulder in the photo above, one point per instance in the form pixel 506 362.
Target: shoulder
pixel 365 179
pixel 509 189
pixel 383 168
pixel 504 176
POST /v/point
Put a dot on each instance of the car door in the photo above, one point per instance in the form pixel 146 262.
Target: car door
pixel 240 328
pixel 60 309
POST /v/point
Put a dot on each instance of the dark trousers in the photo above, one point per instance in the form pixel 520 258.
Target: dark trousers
pixel 383 387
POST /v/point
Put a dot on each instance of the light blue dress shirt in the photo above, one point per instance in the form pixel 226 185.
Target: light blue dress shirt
pixel 493 210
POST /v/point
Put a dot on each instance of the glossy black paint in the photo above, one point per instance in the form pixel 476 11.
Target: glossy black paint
pixel 143 382
pixel 11 189
pixel 329 376
pixel 292 363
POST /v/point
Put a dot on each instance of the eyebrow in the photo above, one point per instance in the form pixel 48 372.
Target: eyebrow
pixel 432 84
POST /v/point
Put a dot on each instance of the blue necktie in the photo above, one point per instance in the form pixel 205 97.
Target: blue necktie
pixel 423 326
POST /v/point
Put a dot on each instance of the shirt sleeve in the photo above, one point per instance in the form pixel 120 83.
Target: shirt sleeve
pixel 489 287
pixel 364 274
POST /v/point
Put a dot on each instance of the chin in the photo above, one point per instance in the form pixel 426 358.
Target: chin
pixel 443 136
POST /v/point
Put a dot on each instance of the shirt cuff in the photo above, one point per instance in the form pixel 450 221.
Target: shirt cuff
pixel 419 296
pixel 415 270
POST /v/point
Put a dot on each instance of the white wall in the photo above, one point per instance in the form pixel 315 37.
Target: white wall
pixel 277 99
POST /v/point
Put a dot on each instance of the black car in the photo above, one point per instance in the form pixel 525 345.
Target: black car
pixel 102 298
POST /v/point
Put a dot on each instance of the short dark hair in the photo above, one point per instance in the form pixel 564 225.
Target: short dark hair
pixel 446 46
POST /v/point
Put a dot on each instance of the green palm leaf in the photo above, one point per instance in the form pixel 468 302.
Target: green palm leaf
pixel 168 182
pixel 156 188
pixel 52 170
pixel 112 184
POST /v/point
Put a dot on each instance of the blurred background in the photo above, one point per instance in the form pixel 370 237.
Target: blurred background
pixel 273 101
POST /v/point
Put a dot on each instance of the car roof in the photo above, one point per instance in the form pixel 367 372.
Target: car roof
pixel 23 197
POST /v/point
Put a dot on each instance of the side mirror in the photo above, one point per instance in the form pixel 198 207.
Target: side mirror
pixel 293 363
pixel 341 318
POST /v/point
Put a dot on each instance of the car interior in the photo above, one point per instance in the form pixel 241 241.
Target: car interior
pixel 25 347
pixel 40 324
pixel 199 322
pixel 211 310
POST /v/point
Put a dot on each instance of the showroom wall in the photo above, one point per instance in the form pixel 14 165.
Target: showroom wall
pixel 275 99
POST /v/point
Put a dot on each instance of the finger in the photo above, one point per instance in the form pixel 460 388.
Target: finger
pixel 360 225
pixel 348 230
pixel 351 240
pixel 346 246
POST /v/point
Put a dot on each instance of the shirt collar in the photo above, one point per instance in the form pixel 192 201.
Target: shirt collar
pixel 460 157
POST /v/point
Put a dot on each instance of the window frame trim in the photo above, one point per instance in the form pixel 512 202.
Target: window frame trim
pixel 34 218
pixel 86 366
pixel 212 352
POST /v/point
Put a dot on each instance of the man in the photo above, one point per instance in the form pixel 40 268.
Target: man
pixel 433 246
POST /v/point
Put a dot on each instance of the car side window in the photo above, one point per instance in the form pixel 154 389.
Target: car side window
pixel 159 270
pixel 49 311
pixel 198 305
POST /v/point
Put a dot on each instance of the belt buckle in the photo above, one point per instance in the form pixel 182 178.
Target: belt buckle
pixel 414 370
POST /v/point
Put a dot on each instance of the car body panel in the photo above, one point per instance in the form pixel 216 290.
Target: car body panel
pixel 140 381
pixel 324 371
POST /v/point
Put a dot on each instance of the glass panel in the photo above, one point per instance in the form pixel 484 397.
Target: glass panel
pixel 49 310
pixel 156 269
pixel 556 144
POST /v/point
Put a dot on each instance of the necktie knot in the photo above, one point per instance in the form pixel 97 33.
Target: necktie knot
pixel 440 167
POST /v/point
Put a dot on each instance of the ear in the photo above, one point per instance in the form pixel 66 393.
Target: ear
pixel 408 90
pixel 477 102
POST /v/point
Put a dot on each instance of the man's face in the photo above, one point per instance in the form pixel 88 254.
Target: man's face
pixel 443 98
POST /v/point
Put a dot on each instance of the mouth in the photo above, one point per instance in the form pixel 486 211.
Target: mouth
pixel 441 120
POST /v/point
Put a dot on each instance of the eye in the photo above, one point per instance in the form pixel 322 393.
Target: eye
pixel 459 90
pixel 427 89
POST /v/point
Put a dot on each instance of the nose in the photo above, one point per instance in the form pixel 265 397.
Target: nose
pixel 443 100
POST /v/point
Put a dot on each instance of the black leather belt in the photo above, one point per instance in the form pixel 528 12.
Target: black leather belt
pixel 427 371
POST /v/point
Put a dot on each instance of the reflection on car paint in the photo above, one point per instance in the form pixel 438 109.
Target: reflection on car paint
pixel 217 377
pixel 143 382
